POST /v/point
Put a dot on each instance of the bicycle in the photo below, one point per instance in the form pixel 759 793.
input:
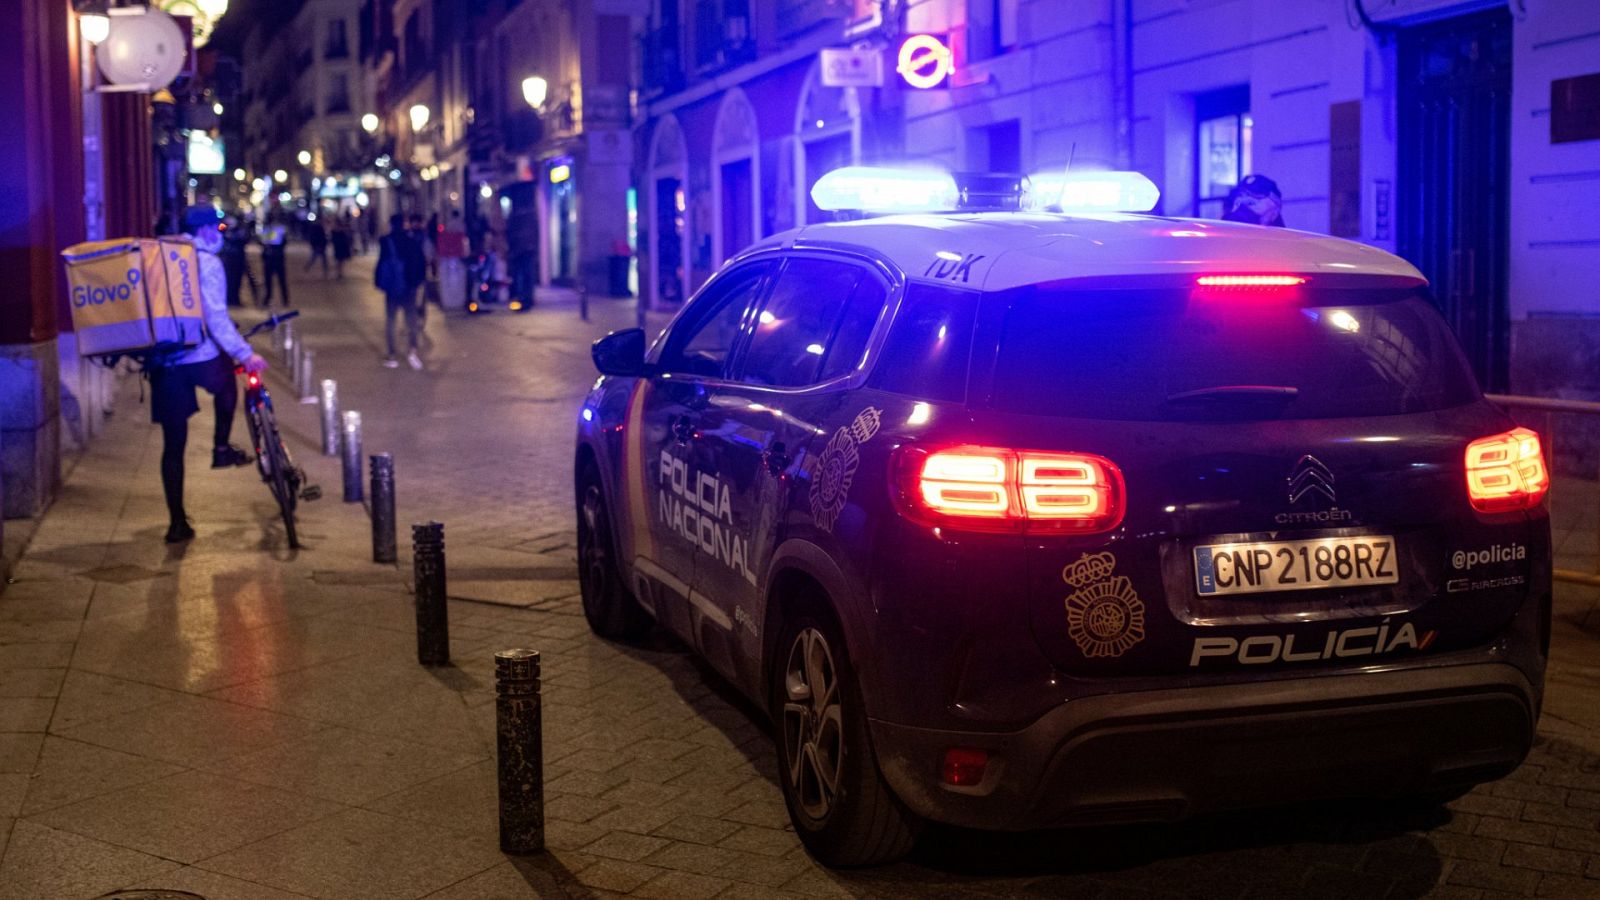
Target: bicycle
pixel 277 467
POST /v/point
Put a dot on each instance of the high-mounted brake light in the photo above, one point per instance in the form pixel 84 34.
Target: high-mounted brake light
pixel 1506 472
pixel 996 489
pixel 1251 281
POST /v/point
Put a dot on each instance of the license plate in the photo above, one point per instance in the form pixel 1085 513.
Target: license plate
pixel 1255 568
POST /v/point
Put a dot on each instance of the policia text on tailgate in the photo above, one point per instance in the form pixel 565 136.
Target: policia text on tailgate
pixel 994 510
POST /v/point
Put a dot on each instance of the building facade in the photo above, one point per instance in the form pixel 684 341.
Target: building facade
pixel 1448 131
pixel 304 93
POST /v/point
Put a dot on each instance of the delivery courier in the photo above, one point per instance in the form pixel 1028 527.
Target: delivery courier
pixel 209 365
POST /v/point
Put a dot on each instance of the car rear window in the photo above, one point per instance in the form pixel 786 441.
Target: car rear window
pixel 1172 354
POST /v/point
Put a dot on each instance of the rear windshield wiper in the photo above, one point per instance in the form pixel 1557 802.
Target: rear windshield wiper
pixel 1246 392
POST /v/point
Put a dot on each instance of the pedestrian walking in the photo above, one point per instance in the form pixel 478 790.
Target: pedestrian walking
pixel 341 246
pixel 1255 200
pixel 317 237
pixel 232 255
pixel 210 366
pixel 400 272
pixel 273 262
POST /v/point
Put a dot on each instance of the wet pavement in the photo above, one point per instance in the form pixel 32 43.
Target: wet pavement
pixel 238 720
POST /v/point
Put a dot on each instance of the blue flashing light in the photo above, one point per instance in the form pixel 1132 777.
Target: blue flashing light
pixel 882 190
pixel 1091 192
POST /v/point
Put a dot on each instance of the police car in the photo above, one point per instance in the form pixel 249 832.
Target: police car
pixel 1017 517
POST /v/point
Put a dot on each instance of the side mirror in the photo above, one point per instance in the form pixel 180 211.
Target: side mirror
pixel 620 353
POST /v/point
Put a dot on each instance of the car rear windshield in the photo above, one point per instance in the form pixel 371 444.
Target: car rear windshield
pixel 1174 354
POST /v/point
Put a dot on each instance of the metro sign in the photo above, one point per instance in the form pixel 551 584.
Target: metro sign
pixel 925 61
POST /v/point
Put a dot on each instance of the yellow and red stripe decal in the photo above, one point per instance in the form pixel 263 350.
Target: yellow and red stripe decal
pixel 635 473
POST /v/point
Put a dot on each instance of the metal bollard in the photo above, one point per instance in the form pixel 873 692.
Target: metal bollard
pixel 286 340
pixel 296 359
pixel 330 417
pixel 308 384
pixel 520 751
pixel 433 615
pixel 583 302
pixel 383 540
pixel 350 446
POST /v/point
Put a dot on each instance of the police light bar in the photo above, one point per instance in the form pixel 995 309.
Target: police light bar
pixel 1091 192
pixel 883 190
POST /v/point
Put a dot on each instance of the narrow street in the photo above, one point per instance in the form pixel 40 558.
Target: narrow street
pixel 245 722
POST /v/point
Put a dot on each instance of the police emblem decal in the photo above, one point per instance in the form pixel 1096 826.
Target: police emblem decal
pixel 1105 618
pixel 836 467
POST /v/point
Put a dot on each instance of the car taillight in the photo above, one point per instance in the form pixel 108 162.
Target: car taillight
pixel 996 489
pixel 1506 472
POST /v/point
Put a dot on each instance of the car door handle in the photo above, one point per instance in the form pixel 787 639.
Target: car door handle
pixel 776 457
pixel 682 429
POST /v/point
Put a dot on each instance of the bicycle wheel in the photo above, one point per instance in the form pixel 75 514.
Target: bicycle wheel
pixel 281 476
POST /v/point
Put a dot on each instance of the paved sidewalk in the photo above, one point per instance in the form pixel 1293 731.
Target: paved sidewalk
pixel 238 720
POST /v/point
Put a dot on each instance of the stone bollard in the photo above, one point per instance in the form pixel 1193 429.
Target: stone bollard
pixel 308 384
pixel 520 751
pixel 433 612
pixel 350 445
pixel 330 417
pixel 383 539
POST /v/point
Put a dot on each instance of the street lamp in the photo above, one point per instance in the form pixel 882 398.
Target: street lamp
pixel 280 176
pixel 305 157
pixel 216 108
pixel 95 27
pixel 369 123
pixel 419 117
pixel 238 175
pixel 534 90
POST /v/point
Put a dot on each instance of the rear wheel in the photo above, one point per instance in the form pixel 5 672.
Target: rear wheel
pixel 841 808
pixel 608 605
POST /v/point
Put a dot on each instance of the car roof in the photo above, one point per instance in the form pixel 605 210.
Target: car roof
pixel 968 248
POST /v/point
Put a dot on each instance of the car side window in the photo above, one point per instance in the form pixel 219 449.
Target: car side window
pixel 701 344
pixel 815 324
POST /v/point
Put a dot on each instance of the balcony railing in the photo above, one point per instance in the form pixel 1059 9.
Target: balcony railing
pixel 722 34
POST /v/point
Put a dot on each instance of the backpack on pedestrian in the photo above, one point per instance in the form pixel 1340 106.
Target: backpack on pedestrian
pixel 390 276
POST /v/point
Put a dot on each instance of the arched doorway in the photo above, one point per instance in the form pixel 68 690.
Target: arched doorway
pixel 666 197
pixel 735 177
pixel 827 129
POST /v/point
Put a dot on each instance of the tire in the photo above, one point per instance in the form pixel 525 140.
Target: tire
pixel 858 821
pixel 611 609
pixel 281 479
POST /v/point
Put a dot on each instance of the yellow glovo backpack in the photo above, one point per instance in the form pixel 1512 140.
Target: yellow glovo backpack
pixel 135 296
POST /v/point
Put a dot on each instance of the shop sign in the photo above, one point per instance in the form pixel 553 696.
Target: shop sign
pixel 852 67
pixel 925 61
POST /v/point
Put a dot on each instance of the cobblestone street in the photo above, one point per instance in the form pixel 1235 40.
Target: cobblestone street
pixel 238 720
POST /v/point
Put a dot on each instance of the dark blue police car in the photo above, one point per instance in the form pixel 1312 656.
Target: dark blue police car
pixel 1018 519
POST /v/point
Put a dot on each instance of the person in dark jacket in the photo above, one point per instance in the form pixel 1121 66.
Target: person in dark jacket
pixel 1256 200
pixel 273 264
pixel 400 273
pixel 317 237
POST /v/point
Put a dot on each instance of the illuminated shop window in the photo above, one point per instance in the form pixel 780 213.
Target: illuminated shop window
pixel 1222 146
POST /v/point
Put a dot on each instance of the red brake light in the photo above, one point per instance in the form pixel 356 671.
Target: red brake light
pixel 1506 472
pixel 255 380
pixel 1251 281
pixel 995 489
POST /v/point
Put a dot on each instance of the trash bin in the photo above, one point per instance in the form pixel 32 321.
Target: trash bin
pixel 617 283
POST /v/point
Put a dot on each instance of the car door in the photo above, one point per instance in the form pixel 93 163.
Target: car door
pixel 804 343
pixel 667 463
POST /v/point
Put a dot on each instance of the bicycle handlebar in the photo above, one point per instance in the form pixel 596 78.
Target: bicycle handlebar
pixel 271 322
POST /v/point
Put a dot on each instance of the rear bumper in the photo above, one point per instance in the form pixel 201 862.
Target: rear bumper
pixel 1165 755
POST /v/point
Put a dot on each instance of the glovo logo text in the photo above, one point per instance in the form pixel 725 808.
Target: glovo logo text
pixel 99 295
pixel 185 285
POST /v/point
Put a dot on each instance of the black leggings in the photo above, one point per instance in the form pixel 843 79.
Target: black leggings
pixel 174 440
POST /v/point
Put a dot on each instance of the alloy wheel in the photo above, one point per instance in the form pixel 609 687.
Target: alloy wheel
pixel 813 724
